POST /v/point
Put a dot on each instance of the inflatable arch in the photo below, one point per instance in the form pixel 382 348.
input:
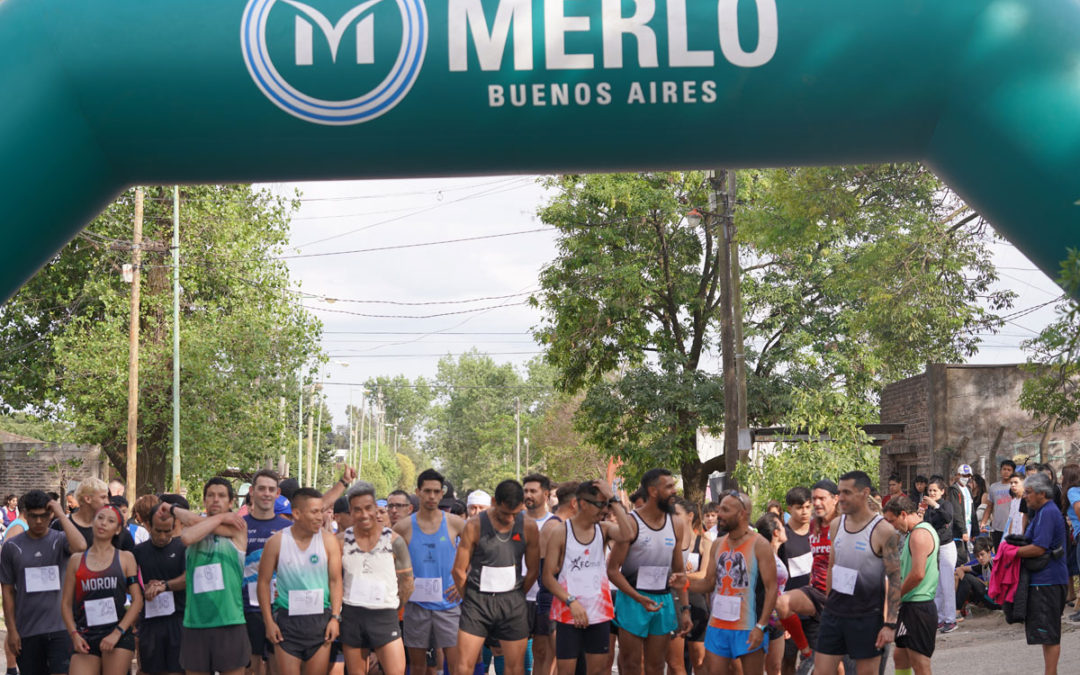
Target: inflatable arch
pixel 101 94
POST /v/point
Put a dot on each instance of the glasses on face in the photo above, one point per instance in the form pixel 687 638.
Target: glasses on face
pixel 37 516
pixel 392 505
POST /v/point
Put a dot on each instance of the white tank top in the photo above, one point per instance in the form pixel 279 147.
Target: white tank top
pixel 584 575
pixel 301 573
pixel 370 578
pixel 531 595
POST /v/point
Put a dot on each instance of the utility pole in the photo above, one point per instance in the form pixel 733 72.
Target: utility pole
pixel 300 436
pixel 740 346
pixel 517 436
pixel 283 462
pixel 310 473
pixel 360 449
pixel 722 196
pixel 528 464
pixel 133 351
pixel 176 340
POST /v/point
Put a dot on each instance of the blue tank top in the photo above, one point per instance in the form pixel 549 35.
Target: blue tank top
pixel 433 556
pixel 259 532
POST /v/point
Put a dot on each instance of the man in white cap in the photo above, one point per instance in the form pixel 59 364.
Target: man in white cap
pixel 960 494
pixel 478 501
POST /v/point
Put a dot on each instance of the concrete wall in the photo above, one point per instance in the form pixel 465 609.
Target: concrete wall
pixel 42 466
pixel 966 414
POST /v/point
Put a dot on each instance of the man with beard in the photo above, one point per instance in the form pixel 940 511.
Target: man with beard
pixel 858 620
pixel 582 602
pixel 161 564
pixel 742 576
pixel 495 547
pixel 537 491
pixel 808 600
pixel 640 570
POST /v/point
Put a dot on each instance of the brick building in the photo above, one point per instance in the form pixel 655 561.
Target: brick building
pixel 968 414
pixel 27 464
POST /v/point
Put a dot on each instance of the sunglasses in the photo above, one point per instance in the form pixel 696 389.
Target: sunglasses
pixel 598 504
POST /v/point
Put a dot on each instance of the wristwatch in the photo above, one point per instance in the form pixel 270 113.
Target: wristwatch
pixel 684 608
pixel 760 627
pixel 336 617
pixel 890 624
pixel 570 599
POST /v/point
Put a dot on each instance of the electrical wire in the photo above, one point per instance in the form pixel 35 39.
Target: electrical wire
pixel 409 316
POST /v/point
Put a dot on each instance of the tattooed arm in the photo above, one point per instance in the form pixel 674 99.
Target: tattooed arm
pixel 887 544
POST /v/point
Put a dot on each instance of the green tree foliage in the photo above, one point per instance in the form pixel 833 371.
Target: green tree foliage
pixel 64 337
pixel 852 277
pixel 1052 393
pixel 406 474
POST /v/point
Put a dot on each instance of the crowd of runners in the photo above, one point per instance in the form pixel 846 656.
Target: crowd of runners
pixel 533 577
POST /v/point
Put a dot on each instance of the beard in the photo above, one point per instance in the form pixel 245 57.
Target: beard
pixel 666 505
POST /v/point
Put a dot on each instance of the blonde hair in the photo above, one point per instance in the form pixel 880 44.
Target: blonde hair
pixel 90 486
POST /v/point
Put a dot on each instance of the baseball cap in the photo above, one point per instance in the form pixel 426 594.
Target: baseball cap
pixel 479 498
pixel 281 505
pixel 964 470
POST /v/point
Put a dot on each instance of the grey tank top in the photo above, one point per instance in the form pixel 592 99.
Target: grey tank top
pixel 854 559
pixel 497 550
pixel 650 553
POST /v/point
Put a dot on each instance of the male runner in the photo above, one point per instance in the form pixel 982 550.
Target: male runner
pixel 999 495
pixel 31 578
pixel 305 617
pixel 434 607
pixel 796 554
pixel 92 494
pixel 537 492
pixel 398 506
pixel 916 630
pixel 262 522
pixel 488 574
pixel 808 600
pixel 577 554
pixel 858 620
pixel 214 637
pixel 742 576
pixel 161 566
pixel 565 507
pixel 640 570
pixel 378 577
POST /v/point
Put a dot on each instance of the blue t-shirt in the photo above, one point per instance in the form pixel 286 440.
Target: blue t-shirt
pixel 1074 496
pixel 259 532
pixel 1047 530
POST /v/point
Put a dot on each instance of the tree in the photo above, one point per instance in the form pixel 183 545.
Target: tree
pixel 852 276
pixel 243 336
pixel 1052 393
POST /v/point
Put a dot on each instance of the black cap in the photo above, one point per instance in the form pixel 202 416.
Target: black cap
pixel 341 505
pixel 826 484
pixel 288 488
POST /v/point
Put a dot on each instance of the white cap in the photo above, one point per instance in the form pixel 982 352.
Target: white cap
pixel 479 498
pixel 963 470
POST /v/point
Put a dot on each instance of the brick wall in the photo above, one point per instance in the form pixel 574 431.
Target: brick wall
pixel 906 402
pixel 30 466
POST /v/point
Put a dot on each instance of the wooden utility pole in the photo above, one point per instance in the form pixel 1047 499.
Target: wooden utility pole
pixel 740 346
pixel 722 206
pixel 517 437
pixel 133 352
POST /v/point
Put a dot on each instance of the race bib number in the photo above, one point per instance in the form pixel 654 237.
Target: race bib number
pixel 208 578
pixel 653 577
pixel 42 579
pixel 367 592
pixel 100 612
pixel 585 584
pixel 727 607
pixel 427 590
pixel 498 579
pixel 843 579
pixel 163 604
pixel 303 603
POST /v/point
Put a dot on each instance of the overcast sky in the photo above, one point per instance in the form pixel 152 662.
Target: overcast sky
pixel 494 274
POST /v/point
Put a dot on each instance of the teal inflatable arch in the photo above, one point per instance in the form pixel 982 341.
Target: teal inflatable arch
pixel 97 95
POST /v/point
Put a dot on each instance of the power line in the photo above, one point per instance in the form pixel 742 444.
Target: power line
pixel 429 355
pixel 411 316
pixel 409 304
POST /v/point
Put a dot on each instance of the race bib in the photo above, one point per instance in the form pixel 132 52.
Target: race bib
pixel 363 592
pixel 585 584
pixel 303 603
pixel 653 577
pixel 41 579
pixel 163 604
pixel 498 579
pixel 100 612
pixel 427 590
pixel 208 578
pixel 843 579
pixel 800 565
pixel 727 607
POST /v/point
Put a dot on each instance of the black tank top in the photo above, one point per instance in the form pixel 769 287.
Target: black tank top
pixel 94 587
pixel 495 549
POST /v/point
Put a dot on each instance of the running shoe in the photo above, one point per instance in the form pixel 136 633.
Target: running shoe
pixel 1073 618
pixel 807 665
pixel 948 627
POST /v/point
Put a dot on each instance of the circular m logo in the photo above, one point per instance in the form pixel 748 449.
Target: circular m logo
pixel 289 44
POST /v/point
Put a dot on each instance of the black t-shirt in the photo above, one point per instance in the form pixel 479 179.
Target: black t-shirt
pixel 163 564
pixel 796 554
pixel 123 541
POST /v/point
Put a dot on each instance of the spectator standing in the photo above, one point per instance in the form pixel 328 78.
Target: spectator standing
pixel 895 489
pixel 1070 491
pixel 11 509
pixel 1046 593
pixel 937 511
pixel 999 499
